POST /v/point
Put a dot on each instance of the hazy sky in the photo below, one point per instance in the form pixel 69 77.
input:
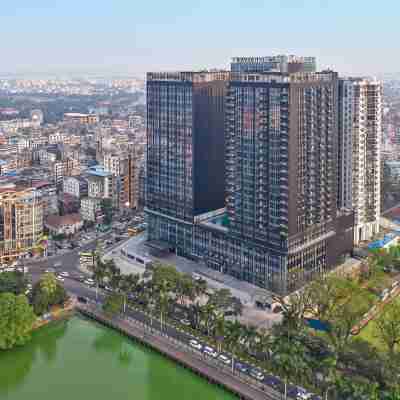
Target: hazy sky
pixel 134 36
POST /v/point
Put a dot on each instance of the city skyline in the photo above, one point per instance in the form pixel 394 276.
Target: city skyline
pixel 123 38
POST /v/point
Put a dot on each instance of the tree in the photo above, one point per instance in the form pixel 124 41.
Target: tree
pixel 344 317
pixel 388 326
pixel 289 359
pixel 127 285
pixel 47 292
pixel 232 338
pixel 48 283
pixel 113 304
pixel 13 282
pixel 293 310
pixel 220 325
pixel 16 320
pixel 223 300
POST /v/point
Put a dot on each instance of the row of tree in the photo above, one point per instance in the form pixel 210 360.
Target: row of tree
pixel 334 360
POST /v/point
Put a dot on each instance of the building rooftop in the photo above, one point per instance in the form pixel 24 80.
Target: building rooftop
pixel 56 221
pixel 97 171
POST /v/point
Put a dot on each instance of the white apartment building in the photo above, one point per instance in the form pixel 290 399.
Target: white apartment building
pixel 360 132
pixel 90 208
pixel 75 186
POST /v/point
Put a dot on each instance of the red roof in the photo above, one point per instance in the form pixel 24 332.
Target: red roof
pixel 56 221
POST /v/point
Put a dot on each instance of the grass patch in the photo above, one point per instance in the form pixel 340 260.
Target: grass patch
pixel 370 333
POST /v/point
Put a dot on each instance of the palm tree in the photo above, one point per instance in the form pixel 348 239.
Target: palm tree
pixel 234 334
pixel 99 272
pixel 220 324
pixel 264 343
pixel 208 316
pixel 125 288
pixel 289 359
pixel 163 301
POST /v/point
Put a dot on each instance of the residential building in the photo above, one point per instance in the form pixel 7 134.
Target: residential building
pixel 101 184
pixel 21 220
pixel 278 63
pixel 83 119
pixel 76 186
pixel 281 226
pixel 360 128
pixel 185 143
pixel 90 209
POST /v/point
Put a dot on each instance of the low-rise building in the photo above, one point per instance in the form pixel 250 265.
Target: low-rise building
pixel 64 225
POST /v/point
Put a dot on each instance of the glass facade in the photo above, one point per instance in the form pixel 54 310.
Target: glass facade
pixel 280 157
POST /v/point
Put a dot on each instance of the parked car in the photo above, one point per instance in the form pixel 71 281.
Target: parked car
pixel 185 321
pixel 60 278
pixel 224 359
pixel 257 374
pixel 210 352
pixel 195 344
pixel 241 367
pixel 64 273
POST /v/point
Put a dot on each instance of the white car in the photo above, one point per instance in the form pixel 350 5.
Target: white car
pixel 64 273
pixel 210 352
pixel 195 344
pixel 257 374
pixel 89 282
pixel 60 278
pixel 224 359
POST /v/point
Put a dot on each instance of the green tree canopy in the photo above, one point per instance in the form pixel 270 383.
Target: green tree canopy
pixel 16 320
pixel 12 282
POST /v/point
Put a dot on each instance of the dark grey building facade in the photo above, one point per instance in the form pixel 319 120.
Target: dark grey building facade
pixel 185 143
pixel 280 226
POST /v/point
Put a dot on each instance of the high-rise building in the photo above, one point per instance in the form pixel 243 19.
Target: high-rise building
pixel 281 226
pixel 279 63
pixel 360 128
pixel 21 221
pixel 185 143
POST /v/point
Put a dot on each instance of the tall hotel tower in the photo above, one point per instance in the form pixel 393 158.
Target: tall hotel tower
pixel 360 133
pixel 242 174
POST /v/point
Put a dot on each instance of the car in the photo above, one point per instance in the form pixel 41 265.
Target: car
pixel 223 358
pixel 82 299
pixel 60 278
pixel 273 381
pixel 185 321
pixel 57 264
pixel 64 273
pixel 89 282
pixel 257 374
pixel 29 286
pixel 49 270
pixel 195 344
pixel 241 367
pixel 209 351
pixel 298 393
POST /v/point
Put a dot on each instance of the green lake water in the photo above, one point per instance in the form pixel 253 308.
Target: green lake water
pixel 81 360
